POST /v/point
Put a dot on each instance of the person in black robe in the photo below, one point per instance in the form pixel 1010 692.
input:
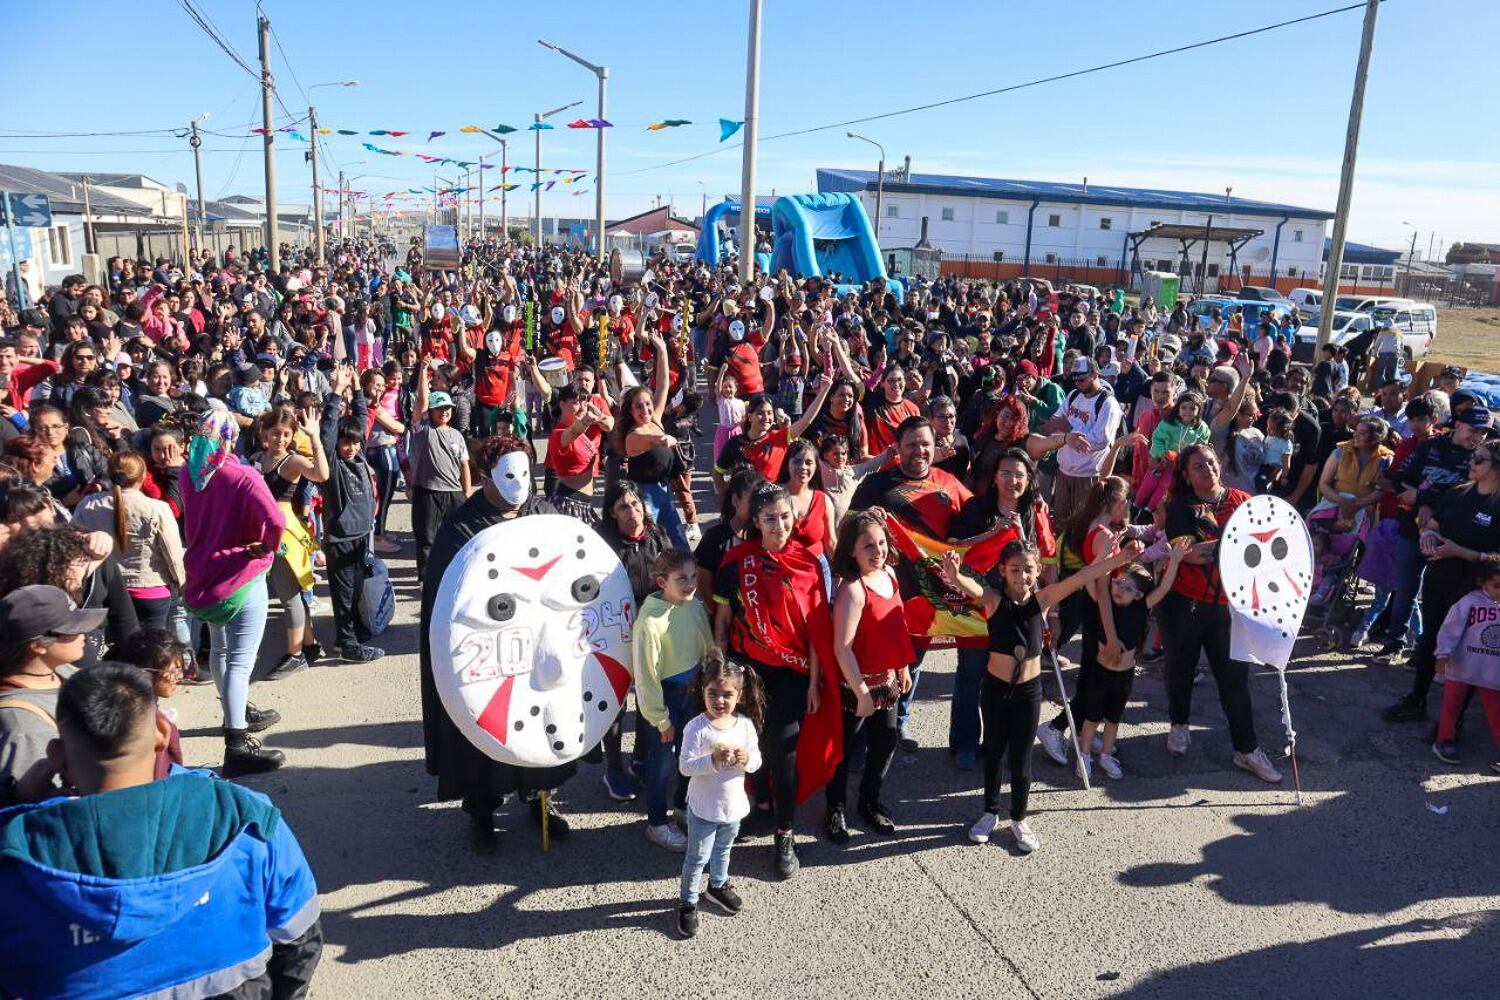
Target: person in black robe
pixel 462 769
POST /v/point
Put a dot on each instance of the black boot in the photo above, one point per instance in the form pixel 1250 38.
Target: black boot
pixel 786 855
pixel 482 832
pixel 835 827
pixel 243 754
pixel 557 823
pixel 258 720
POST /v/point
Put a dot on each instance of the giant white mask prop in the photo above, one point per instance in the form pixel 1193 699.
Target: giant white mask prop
pixel 512 477
pixel 1265 562
pixel 530 640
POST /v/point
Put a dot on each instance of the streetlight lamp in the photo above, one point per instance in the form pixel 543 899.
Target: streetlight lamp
pixel 537 177
pixel 602 72
pixel 879 178
pixel 504 169
pixel 317 198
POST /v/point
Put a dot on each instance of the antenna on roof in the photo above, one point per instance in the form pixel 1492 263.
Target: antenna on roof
pixel 1085 185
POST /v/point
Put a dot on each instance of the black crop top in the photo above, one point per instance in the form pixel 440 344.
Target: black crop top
pixel 1016 629
pixel 651 466
pixel 281 488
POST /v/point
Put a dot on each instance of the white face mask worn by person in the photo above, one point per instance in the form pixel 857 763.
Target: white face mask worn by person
pixel 512 478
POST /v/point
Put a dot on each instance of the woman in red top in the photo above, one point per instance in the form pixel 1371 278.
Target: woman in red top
pixel 762 443
pixel 1195 617
pixel 813 508
pixel 872 643
pixel 885 410
pixel 772 612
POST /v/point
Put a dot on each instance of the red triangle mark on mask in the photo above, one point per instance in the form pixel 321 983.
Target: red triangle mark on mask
pixel 495 719
pixel 537 572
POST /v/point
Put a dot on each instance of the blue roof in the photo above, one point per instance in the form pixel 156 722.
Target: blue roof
pixel 1094 194
pixel 1363 253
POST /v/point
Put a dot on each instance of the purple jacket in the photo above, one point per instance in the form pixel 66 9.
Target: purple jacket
pixel 1470 639
pixel 220 523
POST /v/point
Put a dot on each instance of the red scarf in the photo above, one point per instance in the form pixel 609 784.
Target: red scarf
pixel 756 634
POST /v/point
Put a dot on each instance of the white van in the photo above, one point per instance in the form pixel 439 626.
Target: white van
pixel 1307 300
pixel 1417 322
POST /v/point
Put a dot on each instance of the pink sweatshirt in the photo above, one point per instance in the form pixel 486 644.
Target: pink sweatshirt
pixel 220 523
pixel 1470 639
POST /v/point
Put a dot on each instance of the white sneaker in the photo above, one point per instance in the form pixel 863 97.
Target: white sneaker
pixel 1178 740
pixel 692 533
pixel 1025 839
pixel 667 836
pixel 1358 639
pixel 1098 745
pixel 1257 764
pixel 1083 768
pixel 1111 767
pixel 980 832
pixel 1054 743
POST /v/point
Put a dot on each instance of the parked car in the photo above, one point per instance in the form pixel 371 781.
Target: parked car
pixel 1417 322
pixel 1346 326
pixel 1260 293
pixel 1307 300
pixel 1366 303
pixel 1253 311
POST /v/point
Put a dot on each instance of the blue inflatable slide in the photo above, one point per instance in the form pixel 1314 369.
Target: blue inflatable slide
pixel 711 249
pixel 819 234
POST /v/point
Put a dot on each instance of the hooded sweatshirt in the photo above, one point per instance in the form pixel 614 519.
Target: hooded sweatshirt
pixel 182 887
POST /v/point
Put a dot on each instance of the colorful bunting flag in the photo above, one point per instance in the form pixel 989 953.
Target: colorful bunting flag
pixel 502 130
pixel 346 131
pixel 298 136
pixel 535 185
pixel 599 123
pixel 537 126
pixel 470 128
pixel 433 135
pixel 261 131
pixel 549 185
pixel 393 134
pixel 728 127
pixel 668 123
pixel 325 131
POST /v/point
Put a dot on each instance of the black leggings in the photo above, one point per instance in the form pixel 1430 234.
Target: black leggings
pixel 1440 591
pixel 880 729
pixel 786 703
pixel 1191 628
pixel 1010 713
pixel 1106 696
pixel 387 472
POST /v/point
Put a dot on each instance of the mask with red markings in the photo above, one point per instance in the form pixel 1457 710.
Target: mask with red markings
pixel 530 638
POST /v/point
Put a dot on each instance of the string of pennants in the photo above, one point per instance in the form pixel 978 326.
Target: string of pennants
pixel 573 176
pixel 727 128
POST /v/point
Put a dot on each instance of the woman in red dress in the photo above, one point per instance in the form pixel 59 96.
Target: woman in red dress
pixel 812 507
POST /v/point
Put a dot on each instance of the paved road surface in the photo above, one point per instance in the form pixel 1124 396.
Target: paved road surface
pixel 1187 879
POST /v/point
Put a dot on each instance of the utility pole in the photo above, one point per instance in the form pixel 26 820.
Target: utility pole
pixel 317 199
pixel 89 245
pixel 602 72
pixel 879 178
pixel 196 141
pixel 752 125
pixel 537 177
pixel 481 197
pixel 1346 177
pixel 267 88
pixel 342 233
pixel 504 173
pixel 1208 231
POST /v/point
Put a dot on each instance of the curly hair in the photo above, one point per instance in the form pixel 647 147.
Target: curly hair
pixel 46 555
pixel 496 447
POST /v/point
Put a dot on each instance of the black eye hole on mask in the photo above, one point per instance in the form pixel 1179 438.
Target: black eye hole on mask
pixel 585 589
pixel 502 607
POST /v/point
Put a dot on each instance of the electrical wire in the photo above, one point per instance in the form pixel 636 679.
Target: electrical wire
pixel 1011 88
pixel 202 21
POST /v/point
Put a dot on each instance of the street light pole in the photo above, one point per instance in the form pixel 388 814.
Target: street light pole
pixel 317 198
pixel 537 177
pixel 602 72
pixel 504 169
pixel 752 126
pixel 196 141
pixel 1411 255
pixel 1346 177
pixel 879 178
pixel 267 88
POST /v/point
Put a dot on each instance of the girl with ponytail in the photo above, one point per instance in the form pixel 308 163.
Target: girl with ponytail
pixel 147 540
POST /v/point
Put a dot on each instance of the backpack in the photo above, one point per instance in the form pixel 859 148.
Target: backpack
pixel 377 598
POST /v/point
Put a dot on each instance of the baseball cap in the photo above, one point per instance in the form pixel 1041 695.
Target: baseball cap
pixel 39 610
pixel 1474 416
pixel 1028 367
pixel 438 399
pixel 1225 374
pixel 1451 371
pixel 1084 366
pixel 124 358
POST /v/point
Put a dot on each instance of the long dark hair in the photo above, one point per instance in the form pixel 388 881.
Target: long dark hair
pixel 1180 485
pixel 795 450
pixel 1027 503
pixel 843 563
pixel 1105 493
pixel 624 423
pixel 766 495
pixel 716 667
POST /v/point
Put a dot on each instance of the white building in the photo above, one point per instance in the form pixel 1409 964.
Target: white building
pixel 1004 228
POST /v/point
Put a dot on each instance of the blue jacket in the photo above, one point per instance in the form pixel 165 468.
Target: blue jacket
pixel 183 888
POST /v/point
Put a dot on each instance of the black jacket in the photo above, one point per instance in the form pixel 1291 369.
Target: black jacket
pixel 348 498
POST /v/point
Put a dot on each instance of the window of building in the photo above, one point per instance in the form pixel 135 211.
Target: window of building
pixel 60 245
pixel 1213 270
pixel 1296 236
pixel 1166 264
pixel 1051 258
pixel 999 256
pixel 1053 221
pixel 947 215
pixel 1101 261
pixel 1291 272
pixel 1002 217
pixel 1349 272
pixel 893 211
pixel 1106 223
pixel 1380 273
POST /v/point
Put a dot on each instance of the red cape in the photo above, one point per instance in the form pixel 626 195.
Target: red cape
pixel 820 744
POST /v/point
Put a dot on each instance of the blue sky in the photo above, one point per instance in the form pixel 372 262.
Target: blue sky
pixel 1264 115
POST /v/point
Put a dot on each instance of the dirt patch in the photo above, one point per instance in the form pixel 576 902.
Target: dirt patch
pixel 1469 337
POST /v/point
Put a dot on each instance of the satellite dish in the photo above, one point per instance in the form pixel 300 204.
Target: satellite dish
pixel 181 188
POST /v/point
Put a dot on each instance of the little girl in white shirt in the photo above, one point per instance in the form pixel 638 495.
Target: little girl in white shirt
pixel 719 747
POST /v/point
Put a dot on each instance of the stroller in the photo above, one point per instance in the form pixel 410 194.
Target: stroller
pixel 1331 608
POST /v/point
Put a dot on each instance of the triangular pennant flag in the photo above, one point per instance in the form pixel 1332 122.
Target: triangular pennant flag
pixel 506 169
pixel 433 135
pixel 549 185
pixel 524 170
pixel 425 158
pixel 466 163
pixel 502 130
pixel 347 131
pixel 535 185
pixel 286 128
pixel 470 128
pixel 371 147
pixel 413 190
pixel 486 166
pixel 325 131
pixel 537 126
pixel 298 136
pixel 599 123
pixel 728 127
pixel 380 131
pixel 510 187
pixel 261 131
pixel 580 123
pixel 396 134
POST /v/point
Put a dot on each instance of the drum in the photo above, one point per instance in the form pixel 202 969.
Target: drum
pixel 554 370
pixel 626 267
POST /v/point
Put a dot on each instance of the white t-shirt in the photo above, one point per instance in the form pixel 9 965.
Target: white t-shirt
pixel 1097 418
pixel 713 794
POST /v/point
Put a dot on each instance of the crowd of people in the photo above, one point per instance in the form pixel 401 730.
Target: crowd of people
pixel 187 447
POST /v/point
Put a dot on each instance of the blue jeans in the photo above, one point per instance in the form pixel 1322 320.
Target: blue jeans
pixel 661 758
pixel 232 650
pixel 1386 367
pixel 1383 596
pixel 387 473
pixel 1405 596
pixel 903 704
pixel 663 512
pixel 177 622
pixel 708 844
pixel 963 715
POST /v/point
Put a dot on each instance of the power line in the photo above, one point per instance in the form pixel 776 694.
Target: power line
pixel 213 34
pixel 1011 88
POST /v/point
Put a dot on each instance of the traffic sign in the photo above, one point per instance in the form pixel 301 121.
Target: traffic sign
pixel 29 211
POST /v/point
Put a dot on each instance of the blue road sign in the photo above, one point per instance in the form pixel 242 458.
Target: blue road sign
pixel 29 211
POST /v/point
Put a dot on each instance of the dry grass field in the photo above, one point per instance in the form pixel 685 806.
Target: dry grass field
pixel 1469 337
